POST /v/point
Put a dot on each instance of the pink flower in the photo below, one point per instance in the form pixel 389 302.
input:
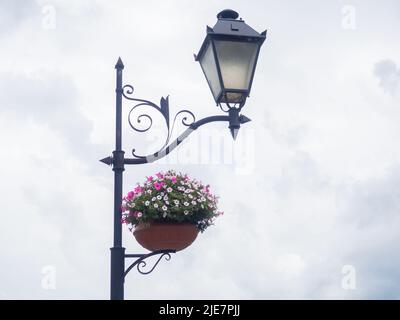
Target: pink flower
pixel 150 179
pixel 173 179
pixel 130 195
pixel 159 175
pixel 138 189
pixel 157 185
pixel 123 208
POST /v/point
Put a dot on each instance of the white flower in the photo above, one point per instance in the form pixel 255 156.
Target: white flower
pixel 139 214
pixel 194 202
pixel 164 208
pixel 186 212
pixel 186 204
pixel 166 202
pixel 153 199
pixel 203 199
pixel 149 191
pixel 162 194
pixel 169 189
pixel 165 197
pixel 188 191
pixel 155 205
pixel 176 201
pixel 147 203
pixel 159 197
pixel 190 196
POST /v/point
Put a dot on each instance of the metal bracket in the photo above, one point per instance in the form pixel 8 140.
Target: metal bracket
pixel 140 263
pixel 234 118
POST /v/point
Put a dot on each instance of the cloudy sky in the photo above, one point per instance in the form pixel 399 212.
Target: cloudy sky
pixel 310 189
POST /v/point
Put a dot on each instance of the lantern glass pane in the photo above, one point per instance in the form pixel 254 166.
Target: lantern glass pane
pixel 210 70
pixel 236 60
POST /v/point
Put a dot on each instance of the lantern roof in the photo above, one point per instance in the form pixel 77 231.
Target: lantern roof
pixel 229 28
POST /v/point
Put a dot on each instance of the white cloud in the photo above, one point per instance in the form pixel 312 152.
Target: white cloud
pixel 320 192
pixel 389 76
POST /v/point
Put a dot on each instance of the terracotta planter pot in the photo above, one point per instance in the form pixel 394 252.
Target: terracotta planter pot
pixel 158 235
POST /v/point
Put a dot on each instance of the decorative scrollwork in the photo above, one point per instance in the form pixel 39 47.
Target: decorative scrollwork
pixel 127 92
pixel 224 110
pixel 231 105
pixel 141 263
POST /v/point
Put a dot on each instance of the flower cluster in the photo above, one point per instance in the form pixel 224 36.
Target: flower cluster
pixel 170 197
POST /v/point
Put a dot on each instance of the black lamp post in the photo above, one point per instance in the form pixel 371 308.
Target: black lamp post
pixel 228 57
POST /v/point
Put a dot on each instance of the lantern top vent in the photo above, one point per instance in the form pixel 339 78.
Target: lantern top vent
pixel 228 14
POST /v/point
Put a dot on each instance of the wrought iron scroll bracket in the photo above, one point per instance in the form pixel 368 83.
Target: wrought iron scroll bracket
pixel 234 118
pixel 187 116
pixel 140 263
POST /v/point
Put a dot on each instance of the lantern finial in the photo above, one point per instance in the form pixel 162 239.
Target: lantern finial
pixel 228 14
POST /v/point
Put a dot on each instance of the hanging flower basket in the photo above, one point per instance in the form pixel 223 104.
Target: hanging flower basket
pixel 165 235
pixel 168 211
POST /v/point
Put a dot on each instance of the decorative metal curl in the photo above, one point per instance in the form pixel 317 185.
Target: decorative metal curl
pixel 184 122
pixel 224 110
pixel 229 106
pixel 143 263
pixel 140 263
pixel 128 90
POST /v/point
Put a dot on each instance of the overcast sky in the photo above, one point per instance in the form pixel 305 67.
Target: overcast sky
pixel 310 188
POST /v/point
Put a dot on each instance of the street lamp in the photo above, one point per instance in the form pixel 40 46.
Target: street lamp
pixel 228 58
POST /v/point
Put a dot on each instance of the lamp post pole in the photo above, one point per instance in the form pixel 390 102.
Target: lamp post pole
pixel 117 251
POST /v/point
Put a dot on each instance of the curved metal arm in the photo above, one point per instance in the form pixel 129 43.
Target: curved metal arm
pixel 233 117
pixel 162 153
pixel 140 263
